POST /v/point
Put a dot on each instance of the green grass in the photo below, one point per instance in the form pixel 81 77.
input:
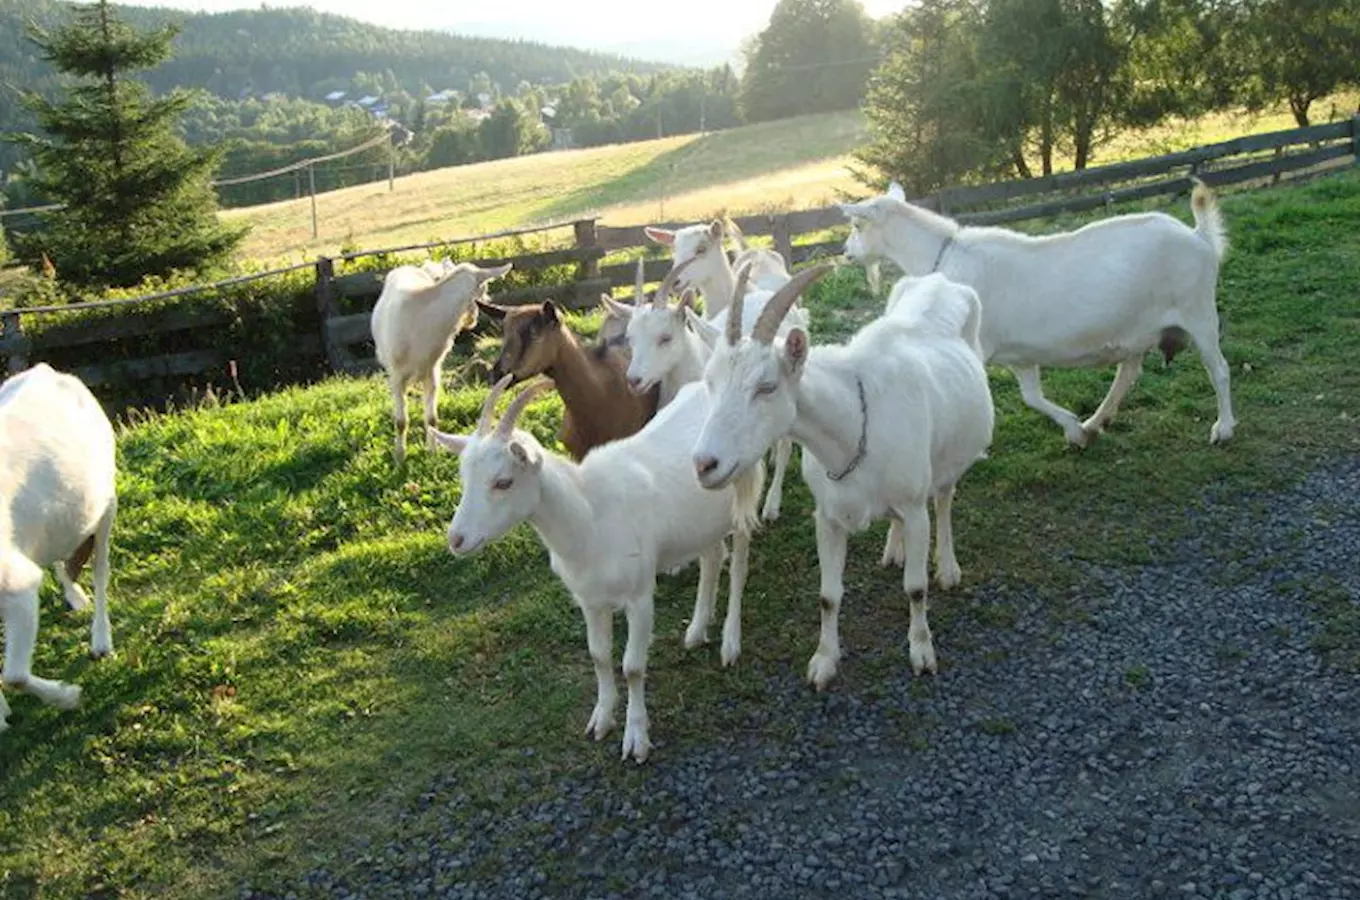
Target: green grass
pixel 299 656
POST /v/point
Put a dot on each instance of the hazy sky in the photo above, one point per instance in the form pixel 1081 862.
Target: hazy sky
pixel 697 25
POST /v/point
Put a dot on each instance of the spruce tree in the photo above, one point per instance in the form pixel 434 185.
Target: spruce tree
pixel 138 200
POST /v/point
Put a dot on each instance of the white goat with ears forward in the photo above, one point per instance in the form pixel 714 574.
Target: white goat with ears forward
pixel 627 511
pixel 888 422
pixel 57 506
pixel 1105 293
pixel 712 273
pixel 666 352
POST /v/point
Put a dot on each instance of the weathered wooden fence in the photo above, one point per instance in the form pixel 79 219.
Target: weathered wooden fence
pixel 335 329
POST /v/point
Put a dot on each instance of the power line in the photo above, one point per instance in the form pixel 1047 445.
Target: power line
pixel 240 179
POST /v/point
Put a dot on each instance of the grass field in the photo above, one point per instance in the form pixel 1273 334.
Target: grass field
pixel 794 164
pixel 298 655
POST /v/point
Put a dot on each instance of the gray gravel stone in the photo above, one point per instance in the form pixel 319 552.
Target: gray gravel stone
pixel 1184 741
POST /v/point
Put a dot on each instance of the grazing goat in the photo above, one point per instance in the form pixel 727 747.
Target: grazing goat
pixel 598 406
pixel 417 316
pixel 712 273
pixel 1105 293
pixel 629 510
pixel 669 354
pixel 57 506
pixel 888 421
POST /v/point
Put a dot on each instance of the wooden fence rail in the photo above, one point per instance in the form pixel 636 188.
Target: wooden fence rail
pixel 335 328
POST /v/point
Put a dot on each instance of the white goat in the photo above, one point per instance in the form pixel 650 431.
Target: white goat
pixel 1105 293
pixel 712 273
pixel 419 313
pixel 627 511
pixel 887 422
pixel 666 351
pixel 57 506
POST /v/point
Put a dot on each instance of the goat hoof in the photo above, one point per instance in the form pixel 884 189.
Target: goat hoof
pixel 948 576
pixel 1220 433
pixel 923 658
pixel 730 652
pixel 600 723
pixel 98 653
pixel 821 669
pixel 635 742
pixel 694 637
pixel 66 696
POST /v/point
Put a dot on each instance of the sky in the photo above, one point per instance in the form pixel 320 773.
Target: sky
pixel 697 32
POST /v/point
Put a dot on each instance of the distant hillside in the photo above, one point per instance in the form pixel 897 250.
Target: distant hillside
pixel 307 54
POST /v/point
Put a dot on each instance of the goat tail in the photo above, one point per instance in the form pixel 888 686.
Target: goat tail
pixel 1208 217
pixel 746 491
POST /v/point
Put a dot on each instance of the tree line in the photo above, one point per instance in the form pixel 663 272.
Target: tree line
pixel 989 89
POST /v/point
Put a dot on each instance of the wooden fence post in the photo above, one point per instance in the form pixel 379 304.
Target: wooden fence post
pixel 1355 137
pixel 327 308
pixel 14 341
pixel 783 239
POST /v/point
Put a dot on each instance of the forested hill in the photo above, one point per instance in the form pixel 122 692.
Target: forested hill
pixel 304 53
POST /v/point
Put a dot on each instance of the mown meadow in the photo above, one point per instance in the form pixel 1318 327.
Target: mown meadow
pixel 299 656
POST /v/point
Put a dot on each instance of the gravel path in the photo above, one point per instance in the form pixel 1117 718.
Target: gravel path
pixel 1184 741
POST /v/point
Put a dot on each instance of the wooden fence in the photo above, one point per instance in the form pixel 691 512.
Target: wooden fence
pixel 335 329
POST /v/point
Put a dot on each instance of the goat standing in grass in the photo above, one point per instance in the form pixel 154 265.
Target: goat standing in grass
pixel 597 404
pixel 419 313
pixel 629 510
pixel 888 422
pixel 712 273
pixel 57 506
pixel 1105 293
pixel 668 353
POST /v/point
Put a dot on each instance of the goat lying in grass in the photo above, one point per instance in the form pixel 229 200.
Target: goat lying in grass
pixel 597 404
pixel 419 313
pixel 711 272
pixel 629 510
pixel 1105 293
pixel 888 421
pixel 669 354
pixel 57 506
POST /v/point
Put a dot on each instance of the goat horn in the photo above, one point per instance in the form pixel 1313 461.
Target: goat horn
pixel 522 399
pixel 734 311
pixel 489 404
pixel 779 305
pixel 732 229
pixel 640 284
pixel 663 293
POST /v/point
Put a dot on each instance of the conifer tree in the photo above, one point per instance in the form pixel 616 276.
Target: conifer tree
pixel 138 201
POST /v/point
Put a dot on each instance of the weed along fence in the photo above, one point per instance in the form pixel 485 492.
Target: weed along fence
pixel 302 322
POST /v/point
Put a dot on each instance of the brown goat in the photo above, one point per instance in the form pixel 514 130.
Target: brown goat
pixel 592 380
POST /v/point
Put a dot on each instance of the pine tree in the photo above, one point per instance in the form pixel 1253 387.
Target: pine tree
pixel 138 201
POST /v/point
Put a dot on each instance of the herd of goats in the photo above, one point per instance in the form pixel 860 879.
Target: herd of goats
pixel 668 417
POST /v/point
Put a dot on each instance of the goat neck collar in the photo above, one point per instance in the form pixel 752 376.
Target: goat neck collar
pixel 944 248
pixel 863 435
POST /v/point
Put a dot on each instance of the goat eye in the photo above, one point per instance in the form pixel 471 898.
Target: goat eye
pixel 763 389
pixel 502 484
pixel 663 340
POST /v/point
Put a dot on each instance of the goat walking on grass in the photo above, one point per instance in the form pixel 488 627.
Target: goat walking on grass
pixel 1105 293
pixel 57 506
pixel 888 422
pixel 419 313
pixel 629 510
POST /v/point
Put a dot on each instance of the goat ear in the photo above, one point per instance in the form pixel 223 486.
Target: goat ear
pixel 454 443
pixel 855 210
pixel 895 190
pixel 686 300
pixel 614 307
pixel 550 313
pixel 795 351
pixel 492 310
pixel 707 332
pixel 484 275
pixel 715 230
pixel 660 235
pixel 524 457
